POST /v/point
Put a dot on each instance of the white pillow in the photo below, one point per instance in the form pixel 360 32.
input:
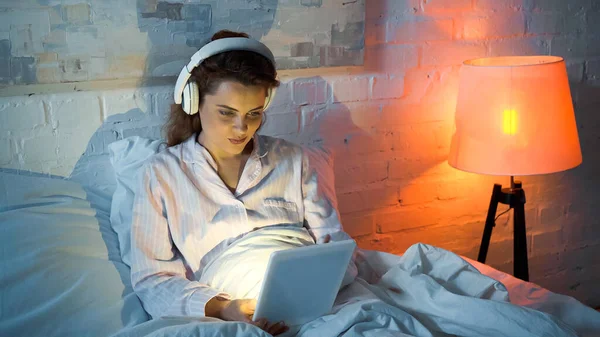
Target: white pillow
pixel 128 157
pixel 60 273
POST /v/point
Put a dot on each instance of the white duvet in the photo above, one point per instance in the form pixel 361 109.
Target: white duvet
pixel 426 292
pixel 239 270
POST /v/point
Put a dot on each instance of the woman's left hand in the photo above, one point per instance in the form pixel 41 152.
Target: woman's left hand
pixel 327 239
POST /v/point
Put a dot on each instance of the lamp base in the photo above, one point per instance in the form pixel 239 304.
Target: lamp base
pixel 515 198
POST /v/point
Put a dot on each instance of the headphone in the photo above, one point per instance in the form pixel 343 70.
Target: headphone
pixel 186 92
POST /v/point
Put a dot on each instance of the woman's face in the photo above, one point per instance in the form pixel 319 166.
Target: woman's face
pixel 230 117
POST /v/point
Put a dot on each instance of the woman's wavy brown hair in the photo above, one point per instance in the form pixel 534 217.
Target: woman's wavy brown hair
pixel 246 67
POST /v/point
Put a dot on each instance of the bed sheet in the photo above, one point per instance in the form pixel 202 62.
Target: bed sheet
pixel 60 269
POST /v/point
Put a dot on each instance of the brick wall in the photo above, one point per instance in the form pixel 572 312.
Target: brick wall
pixel 389 124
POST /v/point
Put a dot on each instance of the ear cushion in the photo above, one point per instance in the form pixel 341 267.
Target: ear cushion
pixel 194 98
pixel 185 101
pixel 190 100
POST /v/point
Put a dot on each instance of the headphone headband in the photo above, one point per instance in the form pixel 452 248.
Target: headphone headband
pixel 216 47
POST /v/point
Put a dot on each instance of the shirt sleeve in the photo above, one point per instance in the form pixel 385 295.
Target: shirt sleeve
pixel 158 272
pixel 318 193
pixel 320 204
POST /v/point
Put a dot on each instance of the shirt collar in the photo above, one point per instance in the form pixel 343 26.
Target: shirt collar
pixel 193 152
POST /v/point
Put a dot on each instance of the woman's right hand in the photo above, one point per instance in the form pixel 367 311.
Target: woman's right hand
pixel 242 310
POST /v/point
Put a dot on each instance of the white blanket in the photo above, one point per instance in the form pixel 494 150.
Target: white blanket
pixel 239 270
pixel 432 292
pixel 426 292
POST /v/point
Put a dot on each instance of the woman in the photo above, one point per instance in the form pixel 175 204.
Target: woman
pixel 216 182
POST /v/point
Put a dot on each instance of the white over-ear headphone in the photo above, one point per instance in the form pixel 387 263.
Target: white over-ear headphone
pixel 186 92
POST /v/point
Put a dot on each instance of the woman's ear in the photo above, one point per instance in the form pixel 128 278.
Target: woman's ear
pixel 200 108
pixel 269 97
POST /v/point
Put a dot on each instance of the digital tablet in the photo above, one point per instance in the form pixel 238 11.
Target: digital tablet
pixel 301 284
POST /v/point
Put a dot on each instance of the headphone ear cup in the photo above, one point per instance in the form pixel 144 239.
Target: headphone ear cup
pixel 190 98
pixel 185 101
pixel 194 98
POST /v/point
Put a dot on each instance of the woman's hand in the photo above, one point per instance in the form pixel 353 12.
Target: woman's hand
pixel 355 254
pixel 241 310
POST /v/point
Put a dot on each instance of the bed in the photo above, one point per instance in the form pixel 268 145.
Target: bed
pixel 64 272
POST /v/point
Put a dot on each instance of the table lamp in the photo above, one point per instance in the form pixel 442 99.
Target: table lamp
pixel 514 117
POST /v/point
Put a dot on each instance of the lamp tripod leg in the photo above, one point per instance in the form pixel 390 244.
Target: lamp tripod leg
pixel 490 222
pixel 521 268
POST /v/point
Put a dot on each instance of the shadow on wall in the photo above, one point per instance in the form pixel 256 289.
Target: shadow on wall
pixel 577 187
pixel 580 185
pixel 568 208
pixel 95 162
pixel 376 148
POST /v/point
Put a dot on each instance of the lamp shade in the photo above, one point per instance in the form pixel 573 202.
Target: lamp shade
pixel 514 116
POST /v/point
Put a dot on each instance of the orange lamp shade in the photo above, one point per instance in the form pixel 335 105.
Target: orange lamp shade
pixel 514 116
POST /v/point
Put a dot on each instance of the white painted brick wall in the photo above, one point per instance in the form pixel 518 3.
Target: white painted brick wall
pixel 307 92
pixel 41 149
pixel 359 224
pixel 384 58
pixel 535 45
pixel 389 124
pixel 448 53
pixel 419 29
pixel 6 151
pixel 546 23
pixel 19 114
pixel 490 26
pixel 569 46
pixel 350 89
pixel 445 6
pixel 391 8
pixel 116 102
pixel 386 87
pixel 66 112
pixel 504 5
